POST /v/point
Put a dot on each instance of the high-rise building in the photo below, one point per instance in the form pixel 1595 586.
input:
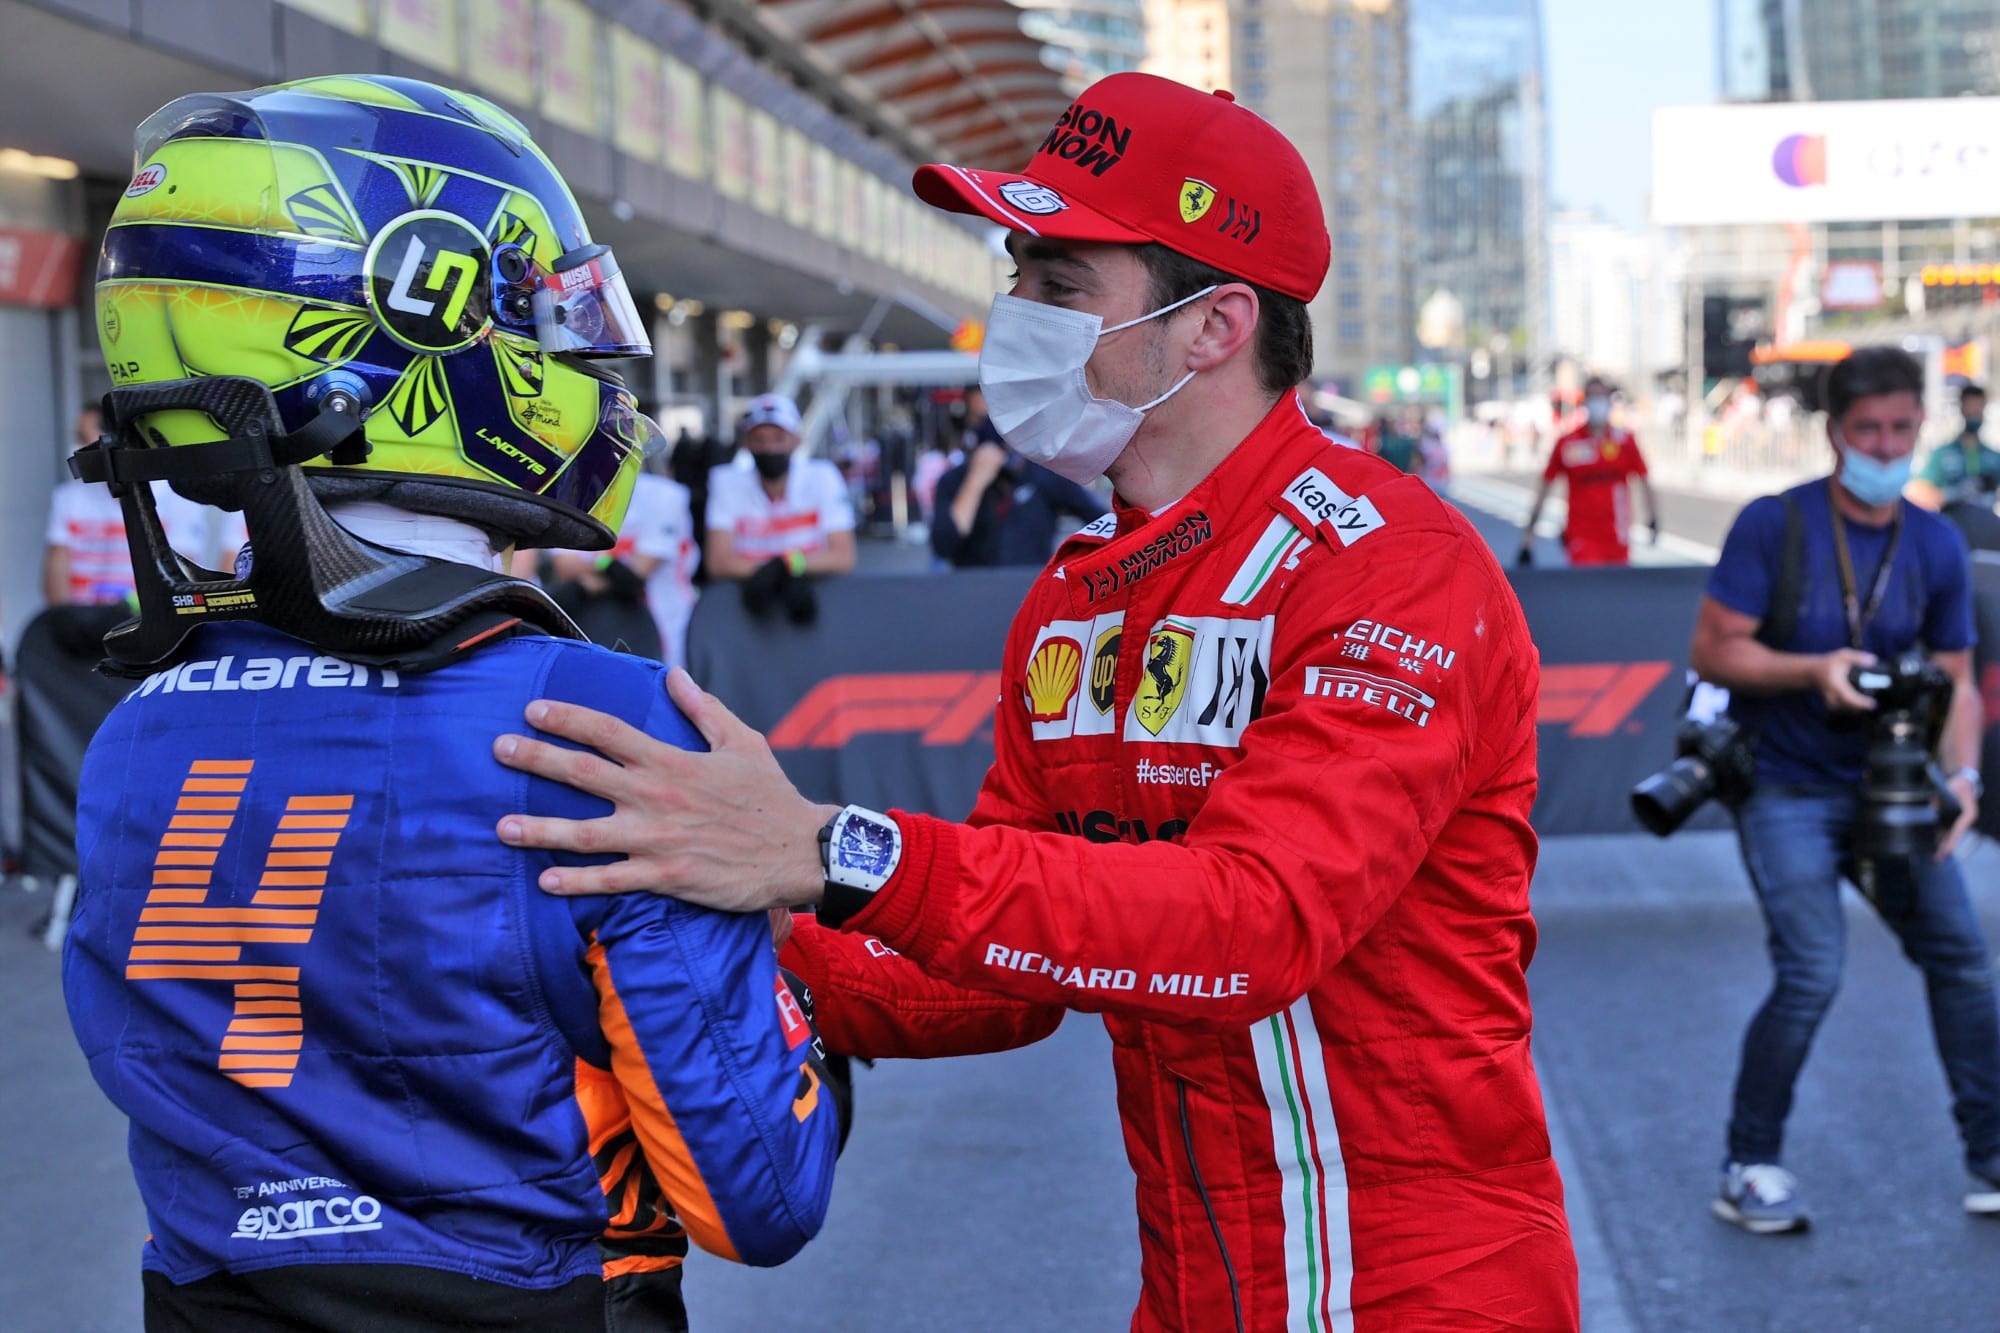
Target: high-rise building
pixel 1087 39
pixel 1188 41
pixel 1334 76
pixel 1856 50
pixel 1850 50
pixel 1837 51
pixel 1477 112
pixel 1752 52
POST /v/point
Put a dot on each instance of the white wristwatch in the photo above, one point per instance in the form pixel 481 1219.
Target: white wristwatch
pixel 1971 774
pixel 860 850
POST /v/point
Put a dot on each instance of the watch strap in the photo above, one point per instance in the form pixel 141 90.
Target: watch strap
pixel 859 852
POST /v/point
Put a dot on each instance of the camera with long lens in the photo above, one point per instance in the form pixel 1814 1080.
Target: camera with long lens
pixel 1714 761
pixel 1904 799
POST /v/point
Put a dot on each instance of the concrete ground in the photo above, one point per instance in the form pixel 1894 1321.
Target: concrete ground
pixel 992 1194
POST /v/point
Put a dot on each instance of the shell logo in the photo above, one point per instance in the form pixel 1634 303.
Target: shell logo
pixel 1054 673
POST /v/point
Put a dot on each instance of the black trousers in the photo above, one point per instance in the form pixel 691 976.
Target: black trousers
pixel 375 1298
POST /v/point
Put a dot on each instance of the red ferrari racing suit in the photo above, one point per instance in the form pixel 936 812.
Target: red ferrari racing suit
pixel 1263 773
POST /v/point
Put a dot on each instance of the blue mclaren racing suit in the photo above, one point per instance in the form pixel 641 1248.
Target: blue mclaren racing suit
pixel 356 1041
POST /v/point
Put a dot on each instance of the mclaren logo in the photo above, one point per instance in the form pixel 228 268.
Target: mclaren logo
pixel 1196 196
pixel 1054 673
pixel 1169 653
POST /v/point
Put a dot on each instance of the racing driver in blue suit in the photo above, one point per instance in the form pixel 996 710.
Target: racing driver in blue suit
pixel 375 1078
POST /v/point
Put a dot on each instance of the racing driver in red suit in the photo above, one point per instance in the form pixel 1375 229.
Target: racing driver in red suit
pixel 1265 757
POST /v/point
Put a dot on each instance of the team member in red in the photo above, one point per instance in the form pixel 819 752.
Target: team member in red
pixel 1600 462
pixel 1264 766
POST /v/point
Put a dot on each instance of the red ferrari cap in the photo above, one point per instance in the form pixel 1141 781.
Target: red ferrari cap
pixel 1140 158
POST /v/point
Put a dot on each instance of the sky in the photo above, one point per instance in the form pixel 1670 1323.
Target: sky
pixel 1610 62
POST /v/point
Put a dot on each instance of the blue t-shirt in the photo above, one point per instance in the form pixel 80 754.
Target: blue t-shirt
pixel 1928 604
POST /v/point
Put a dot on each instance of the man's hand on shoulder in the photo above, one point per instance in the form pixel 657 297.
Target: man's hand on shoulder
pixel 725 829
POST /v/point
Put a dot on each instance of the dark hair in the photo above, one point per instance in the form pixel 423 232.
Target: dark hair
pixel 1284 330
pixel 1869 372
pixel 1971 390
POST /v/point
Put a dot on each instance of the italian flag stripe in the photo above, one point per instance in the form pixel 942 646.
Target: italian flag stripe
pixel 1261 563
pixel 1319 1258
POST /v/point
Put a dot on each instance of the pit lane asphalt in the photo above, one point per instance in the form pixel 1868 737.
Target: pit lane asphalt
pixel 992 1193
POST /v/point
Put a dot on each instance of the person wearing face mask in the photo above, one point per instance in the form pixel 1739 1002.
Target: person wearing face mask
pixel 997 508
pixel 1600 464
pixel 1879 577
pixel 1264 758
pixel 1963 470
pixel 782 521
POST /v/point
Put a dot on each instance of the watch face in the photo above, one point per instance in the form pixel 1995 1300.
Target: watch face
pixel 865 845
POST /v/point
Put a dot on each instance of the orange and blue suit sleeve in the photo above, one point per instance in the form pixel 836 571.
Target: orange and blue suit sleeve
pixel 716 1065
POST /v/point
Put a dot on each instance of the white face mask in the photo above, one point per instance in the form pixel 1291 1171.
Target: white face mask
pixel 1031 369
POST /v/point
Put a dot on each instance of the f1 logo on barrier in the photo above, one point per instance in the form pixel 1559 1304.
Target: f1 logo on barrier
pixel 1596 698
pixel 950 707
pixel 946 707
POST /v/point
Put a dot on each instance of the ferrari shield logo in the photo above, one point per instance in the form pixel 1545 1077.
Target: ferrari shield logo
pixel 1196 196
pixel 1169 653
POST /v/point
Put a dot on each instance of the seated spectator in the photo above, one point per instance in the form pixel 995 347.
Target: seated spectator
pixel 780 520
pixel 997 508
pixel 639 595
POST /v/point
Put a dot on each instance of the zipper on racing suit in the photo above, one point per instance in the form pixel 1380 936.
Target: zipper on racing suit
pixel 1214 1225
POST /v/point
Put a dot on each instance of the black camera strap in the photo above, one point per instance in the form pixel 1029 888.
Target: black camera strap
pixel 1858 615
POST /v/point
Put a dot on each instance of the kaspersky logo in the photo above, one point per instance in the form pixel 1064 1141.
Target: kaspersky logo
pixel 1800 160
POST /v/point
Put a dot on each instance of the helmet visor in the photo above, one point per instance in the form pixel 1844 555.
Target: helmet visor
pixel 629 426
pixel 584 308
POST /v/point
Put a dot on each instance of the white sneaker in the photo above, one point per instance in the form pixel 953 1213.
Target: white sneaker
pixel 1983 1198
pixel 1762 1198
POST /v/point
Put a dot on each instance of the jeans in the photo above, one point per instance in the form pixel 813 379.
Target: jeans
pixel 1796 843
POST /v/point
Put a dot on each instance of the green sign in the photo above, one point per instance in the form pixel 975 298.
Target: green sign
pixel 1386 385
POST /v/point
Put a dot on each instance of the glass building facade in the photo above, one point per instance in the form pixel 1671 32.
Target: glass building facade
pixel 1477 112
pixel 1856 50
pixel 1087 39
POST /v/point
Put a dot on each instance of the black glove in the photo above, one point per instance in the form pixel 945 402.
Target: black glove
pixel 764 586
pixel 625 583
pixel 801 602
pixel 1525 557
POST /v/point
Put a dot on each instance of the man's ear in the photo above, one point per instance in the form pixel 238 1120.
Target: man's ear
pixel 1228 325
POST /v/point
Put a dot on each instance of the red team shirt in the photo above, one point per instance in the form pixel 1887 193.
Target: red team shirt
pixel 1600 500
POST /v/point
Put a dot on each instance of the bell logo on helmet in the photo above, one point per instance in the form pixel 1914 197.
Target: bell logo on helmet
pixel 146 181
pixel 429 282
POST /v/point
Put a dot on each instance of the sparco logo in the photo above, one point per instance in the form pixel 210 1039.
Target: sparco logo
pixel 1185 536
pixel 309 1217
pixel 1088 138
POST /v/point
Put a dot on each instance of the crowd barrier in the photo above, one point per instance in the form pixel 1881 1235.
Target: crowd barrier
pixel 888 699
pixel 59 700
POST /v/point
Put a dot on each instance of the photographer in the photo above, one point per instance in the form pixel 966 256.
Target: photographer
pixel 1871 577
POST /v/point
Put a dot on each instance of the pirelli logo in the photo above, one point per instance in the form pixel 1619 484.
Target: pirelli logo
pixel 183 936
